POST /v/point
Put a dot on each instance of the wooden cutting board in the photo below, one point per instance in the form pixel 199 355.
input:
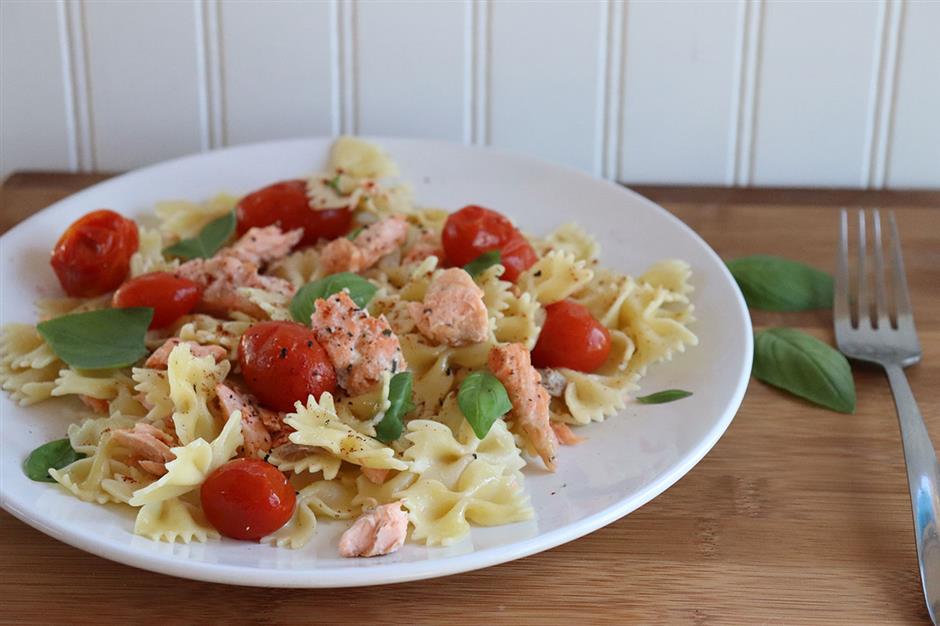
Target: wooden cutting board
pixel 798 515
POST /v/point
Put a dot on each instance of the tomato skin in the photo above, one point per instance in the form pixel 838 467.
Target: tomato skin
pixel 473 230
pixel 93 255
pixel 283 363
pixel 247 499
pixel 571 338
pixel 170 297
pixel 285 204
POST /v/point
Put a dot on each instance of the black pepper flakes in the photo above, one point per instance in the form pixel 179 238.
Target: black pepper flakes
pixel 283 353
pixel 387 332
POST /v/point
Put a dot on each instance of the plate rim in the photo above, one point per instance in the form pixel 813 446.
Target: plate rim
pixel 414 570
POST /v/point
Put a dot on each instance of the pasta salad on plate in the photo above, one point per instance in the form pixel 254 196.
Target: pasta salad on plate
pixel 325 349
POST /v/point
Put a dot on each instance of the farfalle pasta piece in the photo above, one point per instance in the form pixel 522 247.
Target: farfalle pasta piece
pixel 192 464
pixel 298 268
pixel 299 529
pixel 149 256
pixel 28 367
pixel 317 424
pixel 192 382
pixel 437 454
pixel 573 239
pixel 83 477
pixel 84 437
pixel 555 276
pixel 275 305
pixel 100 384
pixel 207 330
pixel 173 520
pixel 333 498
pixel 291 457
pixel 654 329
pixel 153 392
pixel 181 219
pixel 605 295
pixel 483 495
pixel 49 308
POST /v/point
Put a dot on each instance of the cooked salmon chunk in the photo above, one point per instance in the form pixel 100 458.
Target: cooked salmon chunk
pixel 361 347
pixel 222 276
pixel 370 245
pixel 149 446
pixel 161 356
pixel 453 311
pixel 95 404
pixel 255 433
pixel 263 245
pixel 375 476
pixel 238 266
pixel 566 436
pixel 379 531
pixel 512 365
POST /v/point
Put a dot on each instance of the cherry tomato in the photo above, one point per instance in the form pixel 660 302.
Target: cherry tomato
pixel 93 255
pixel 285 204
pixel 571 338
pixel 247 499
pixel 473 230
pixel 170 297
pixel 283 363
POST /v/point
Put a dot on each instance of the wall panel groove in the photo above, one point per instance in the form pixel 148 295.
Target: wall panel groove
pixel 209 60
pixel 77 85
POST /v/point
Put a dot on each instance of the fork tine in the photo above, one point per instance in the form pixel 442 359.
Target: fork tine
pixel 861 296
pixel 840 297
pixel 881 303
pixel 902 299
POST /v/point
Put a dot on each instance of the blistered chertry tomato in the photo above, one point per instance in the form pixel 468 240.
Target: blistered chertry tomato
pixel 93 256
pixel 171 297
pixel 247 499
pixel 282 363
pixel 473 230
pixel 285 204
pixel 571 338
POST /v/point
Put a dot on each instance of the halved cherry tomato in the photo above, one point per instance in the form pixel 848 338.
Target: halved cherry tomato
pixel 170 297
pixel 285 204
pixel 247 499
pixel 93 256
pixel 473 230
pixel 571 338
pixel 283 363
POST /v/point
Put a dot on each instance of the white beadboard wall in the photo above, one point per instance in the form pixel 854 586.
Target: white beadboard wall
pixel 733 92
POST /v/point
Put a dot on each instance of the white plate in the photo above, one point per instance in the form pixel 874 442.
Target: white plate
pixel 627 460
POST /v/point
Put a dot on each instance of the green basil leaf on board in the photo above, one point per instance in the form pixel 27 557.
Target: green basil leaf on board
pixel 99 339
pixel 399 397
pixel 777 284
pixel 483 262
pixel 661 397
pixel 482 400
pixel 53 455
pixel 210 239
pixel 804 366
pixel 360 291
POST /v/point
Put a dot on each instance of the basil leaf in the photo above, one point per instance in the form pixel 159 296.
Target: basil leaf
pixel 334 183
pixel 209 240
pixel 360 291
pixel 777 284
pixel 355 233
pixel 482 263
pixel 804 366
pixel 99 339
pixel 399 395
pixel 53 455
pixel 482 400
pixel 661 397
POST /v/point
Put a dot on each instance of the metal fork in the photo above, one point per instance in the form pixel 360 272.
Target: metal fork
pixel 866 331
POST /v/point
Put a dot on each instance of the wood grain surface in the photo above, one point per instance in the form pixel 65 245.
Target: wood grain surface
pixel 798 516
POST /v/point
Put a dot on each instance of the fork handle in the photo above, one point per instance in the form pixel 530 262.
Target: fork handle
pixel 923 477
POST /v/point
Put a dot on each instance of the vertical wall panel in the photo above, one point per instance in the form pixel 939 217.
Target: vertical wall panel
pixel 143 75
pixel 914 153
pixel 410 68
pixel 276 67
pixel 33 122
pixel 543 79
pixel 814 91
pixel 679 92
